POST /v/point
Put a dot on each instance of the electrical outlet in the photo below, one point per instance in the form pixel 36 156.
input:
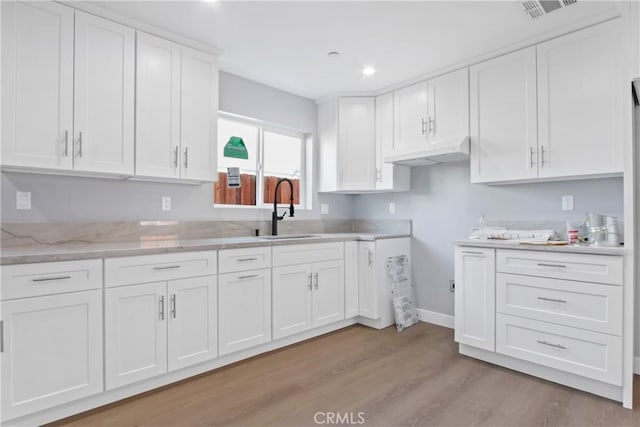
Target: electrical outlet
pixel 452 286
pixel 567 203
pixel 392 208
pixel 324 208
pixel 166 203
pixel 23 200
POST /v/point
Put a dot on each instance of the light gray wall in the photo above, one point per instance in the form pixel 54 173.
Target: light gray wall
pixel 444 206
pixel 59 198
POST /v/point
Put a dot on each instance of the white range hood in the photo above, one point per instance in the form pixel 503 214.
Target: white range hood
pixel 453 150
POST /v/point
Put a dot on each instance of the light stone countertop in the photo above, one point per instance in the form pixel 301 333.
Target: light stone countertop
pixel 77 251
pixel 507 244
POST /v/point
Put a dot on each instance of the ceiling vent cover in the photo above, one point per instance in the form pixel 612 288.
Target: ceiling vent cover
pixel 536 8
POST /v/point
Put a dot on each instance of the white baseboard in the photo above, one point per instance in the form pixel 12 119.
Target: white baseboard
pixel 436 318
pixel 636 365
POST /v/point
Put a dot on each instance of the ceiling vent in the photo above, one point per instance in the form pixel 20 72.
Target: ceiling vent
pixel 536 8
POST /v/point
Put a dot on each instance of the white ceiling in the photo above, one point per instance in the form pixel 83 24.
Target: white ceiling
pixel 285 44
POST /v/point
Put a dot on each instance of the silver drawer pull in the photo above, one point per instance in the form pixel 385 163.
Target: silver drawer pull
pixel 561 347
pixel 250 276
pixel 167 267
pixel 48 279
pixel 161 308
pixel 552 300
pixel 247 259
pixel 472 253
pixel 542 264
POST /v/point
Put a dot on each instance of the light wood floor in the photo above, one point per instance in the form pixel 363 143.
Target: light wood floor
pixel 414 377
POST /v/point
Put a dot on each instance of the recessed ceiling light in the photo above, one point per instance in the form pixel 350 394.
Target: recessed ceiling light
pixel 368 71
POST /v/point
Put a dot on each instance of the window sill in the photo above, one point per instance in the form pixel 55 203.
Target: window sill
pixel 259 208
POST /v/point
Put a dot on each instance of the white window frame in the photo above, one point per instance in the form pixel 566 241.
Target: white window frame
pixel 304 161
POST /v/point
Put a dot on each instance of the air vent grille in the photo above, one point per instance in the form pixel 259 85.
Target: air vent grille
pixel 536 8
pixel 533 8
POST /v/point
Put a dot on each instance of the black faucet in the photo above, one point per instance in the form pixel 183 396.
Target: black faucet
pixel 274 215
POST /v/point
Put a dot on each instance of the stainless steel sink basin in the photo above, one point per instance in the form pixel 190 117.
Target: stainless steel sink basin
pixel 289 237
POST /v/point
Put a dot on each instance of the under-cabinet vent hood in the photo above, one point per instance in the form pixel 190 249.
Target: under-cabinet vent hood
pixel 454 150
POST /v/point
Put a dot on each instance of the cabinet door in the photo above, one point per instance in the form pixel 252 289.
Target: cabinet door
pixel 328 292
pixel 582 93
pixel 356 143
pixel 503 118
pixel 410 118
pixel 244 318
pixel 157 107
pixel 292 289
pixel 475 304
pixel 103 95
pixel 37 84
pixel 135 333
pixel 448 107
pixel 367 291
pixel 388 176
pixel 350 279
pixel 199 115
pixel 193 321
pixel 52 351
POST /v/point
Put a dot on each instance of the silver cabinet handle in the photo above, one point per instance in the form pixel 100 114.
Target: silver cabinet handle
pixel 66 143
pixel 175 157
pixel 341 175
pixel 422 126
pixel 310 282
pixel 162 307
pixel 378 174
pixel 1 336
pixel 316 274
pixel 79 144
pixel 552 345
pixel 173 306
pixel 432 125
pixel 247 259
pixel 48 279
pixel 531 158
pixel 167 267
pixel 542 264
pixel 370 257
pixel 542 155
pixel 186 159
pixel 552 300
pixel 250 276
pixel 472 252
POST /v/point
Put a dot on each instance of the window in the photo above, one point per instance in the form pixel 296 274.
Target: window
pixel 272 154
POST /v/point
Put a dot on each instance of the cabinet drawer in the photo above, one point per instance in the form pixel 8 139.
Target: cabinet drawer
pixel 158 268
pixel 582 267
pixel 232 260
pixel 581 305
pixel 301 254
pixel 48 278
pixel 580 352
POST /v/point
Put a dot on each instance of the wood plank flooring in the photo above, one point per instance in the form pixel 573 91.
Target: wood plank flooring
pixel 410 378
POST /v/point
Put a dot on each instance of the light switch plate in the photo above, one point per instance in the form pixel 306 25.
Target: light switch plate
pixel 166 203
pixel 567 203
pixel 392 208
pixel 324 208
pixel 23 200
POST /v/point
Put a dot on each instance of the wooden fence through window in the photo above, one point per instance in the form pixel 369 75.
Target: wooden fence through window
pixel 246 194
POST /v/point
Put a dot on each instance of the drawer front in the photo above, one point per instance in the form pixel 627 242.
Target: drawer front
pixel 302 254
pixel 581 305
pixel 580 352
pixel 581 267
pixel 48 278
pixel 158 268
pixel 232 260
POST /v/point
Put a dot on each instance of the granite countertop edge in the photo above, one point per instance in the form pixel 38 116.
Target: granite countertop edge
pixel 85 251
pixel 582 249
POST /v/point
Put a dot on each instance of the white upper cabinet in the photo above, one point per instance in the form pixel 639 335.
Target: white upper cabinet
pixel 448 107
pixel 37 85
pixel 356 143
pixel 176 111
pixel 103 96
pixel 199 113
pixel 388 176
pixel 503 118
pixel 410 118
pixel 582 93
pixel 157 107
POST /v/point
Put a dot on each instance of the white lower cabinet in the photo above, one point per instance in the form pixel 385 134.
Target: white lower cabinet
pixel 51 351
pixel 244 301
pixel 367 294
pixel 158 327
pixel 350 279
pixel 328 292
